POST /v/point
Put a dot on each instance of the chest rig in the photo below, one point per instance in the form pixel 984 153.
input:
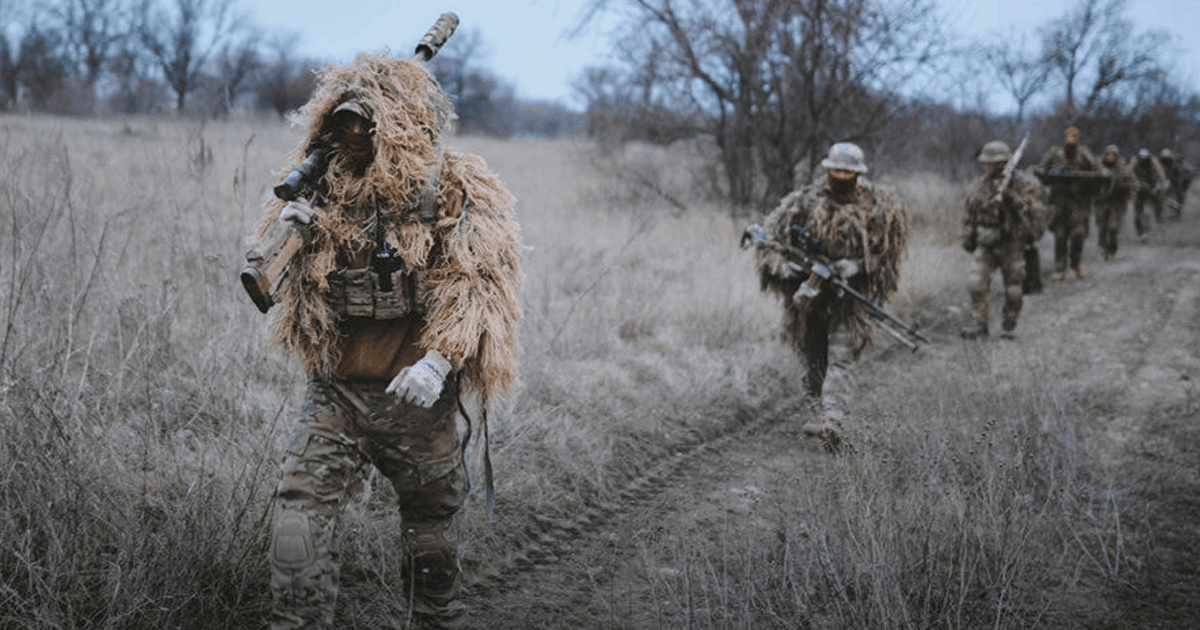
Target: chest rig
pixel 386 288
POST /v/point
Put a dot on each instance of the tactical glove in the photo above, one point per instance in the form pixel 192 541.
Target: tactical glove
pixel 421 383
pixel 971 242
pixel 297 212
pixel 844 268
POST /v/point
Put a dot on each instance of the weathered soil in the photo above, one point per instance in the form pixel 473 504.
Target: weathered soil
pixel 1128 332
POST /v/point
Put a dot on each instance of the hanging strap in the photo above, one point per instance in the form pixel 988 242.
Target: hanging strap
pixel 487 457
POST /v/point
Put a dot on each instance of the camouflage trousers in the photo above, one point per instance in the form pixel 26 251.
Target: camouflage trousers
pixel 1109 216
pixel 1007 256
pixel 1070 228
pixel 1141 223
pixel 345 426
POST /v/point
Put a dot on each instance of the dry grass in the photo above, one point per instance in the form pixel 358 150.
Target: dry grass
pixel 142 413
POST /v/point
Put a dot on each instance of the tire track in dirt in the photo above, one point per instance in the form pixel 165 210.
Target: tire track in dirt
pixel 552 579
pixel 1160 457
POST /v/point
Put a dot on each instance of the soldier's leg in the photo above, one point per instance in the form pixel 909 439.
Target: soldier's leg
pixel 816 351
pixel 316 479
pixel 1033 270
pixel 1061 227
pixel 1012 270
pixel 419 449
pixel 431 569
pixel 979 286
pixel 1080 218
pixel 1139 216
pixel 1156 204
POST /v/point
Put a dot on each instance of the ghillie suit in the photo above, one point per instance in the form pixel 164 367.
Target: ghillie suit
pixel 997 233
pixel 869 227
pixel 413 249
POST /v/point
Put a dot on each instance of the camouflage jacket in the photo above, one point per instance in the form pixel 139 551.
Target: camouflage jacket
pixel 1177 171
pixel 1123 181
pixel 1056 159
pixel 1149 174
pixel 1021 214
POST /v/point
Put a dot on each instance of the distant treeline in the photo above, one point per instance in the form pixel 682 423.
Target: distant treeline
pixel 764 86
pixel 205 59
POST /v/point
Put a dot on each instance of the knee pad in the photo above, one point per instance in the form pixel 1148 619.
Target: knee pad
pixel 1013 293
pixel 292 544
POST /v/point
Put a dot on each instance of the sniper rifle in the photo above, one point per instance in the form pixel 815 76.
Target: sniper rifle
pixel 809 260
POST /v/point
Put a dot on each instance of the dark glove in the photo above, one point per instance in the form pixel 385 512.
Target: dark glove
pixel 971 242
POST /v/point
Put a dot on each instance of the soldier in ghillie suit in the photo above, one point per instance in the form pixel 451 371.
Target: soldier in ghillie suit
pixel 404 296
pixel 1179 174
pixel 1151 186
pixel 1064 169
pixel 1002 217
pixel 1111 204
pixel 864 229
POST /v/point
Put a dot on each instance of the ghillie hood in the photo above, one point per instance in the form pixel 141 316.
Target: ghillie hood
pixel 468 246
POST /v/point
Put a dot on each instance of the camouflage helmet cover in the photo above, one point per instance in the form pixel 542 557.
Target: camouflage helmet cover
pixel 1167 155
pixel 1143 153
pixel 994 151
pixel 845 156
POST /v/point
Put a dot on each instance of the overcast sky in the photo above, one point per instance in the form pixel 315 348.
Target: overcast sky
pixel 526 41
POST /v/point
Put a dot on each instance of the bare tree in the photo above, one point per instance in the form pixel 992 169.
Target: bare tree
pixel 92 29
pixel 1096 43
pixel 454 63
pixel 236 65
pixel 42 65
pixel 285 83
pixel 1021 73
pixel 182 39
pixel 775 81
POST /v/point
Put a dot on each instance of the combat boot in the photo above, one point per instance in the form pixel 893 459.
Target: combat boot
pixel 1078 271
pixel 823 428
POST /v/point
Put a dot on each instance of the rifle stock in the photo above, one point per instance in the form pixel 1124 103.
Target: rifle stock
pixel 821 267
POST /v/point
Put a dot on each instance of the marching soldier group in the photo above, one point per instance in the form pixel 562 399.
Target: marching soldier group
pixel 863 230
pixel 404 295
pixel 1073 184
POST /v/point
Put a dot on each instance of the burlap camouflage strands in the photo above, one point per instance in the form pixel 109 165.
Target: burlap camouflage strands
pixel 872 227
pixel 473 272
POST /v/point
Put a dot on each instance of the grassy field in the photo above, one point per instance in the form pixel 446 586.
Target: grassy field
pixel 142 412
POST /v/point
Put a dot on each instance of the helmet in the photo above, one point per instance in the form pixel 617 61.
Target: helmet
pixel 995 151
pixel 1143 154
pixel 1167 155
pixel 1114 148
pixel 845 156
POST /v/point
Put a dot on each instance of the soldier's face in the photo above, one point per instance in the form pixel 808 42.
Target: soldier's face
pixel 994 168
pixel 842 175
pixel 354 132
pixel 1071 138
pixel 1110 157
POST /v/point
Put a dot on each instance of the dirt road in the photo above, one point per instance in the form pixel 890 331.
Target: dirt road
pixel 1126 337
